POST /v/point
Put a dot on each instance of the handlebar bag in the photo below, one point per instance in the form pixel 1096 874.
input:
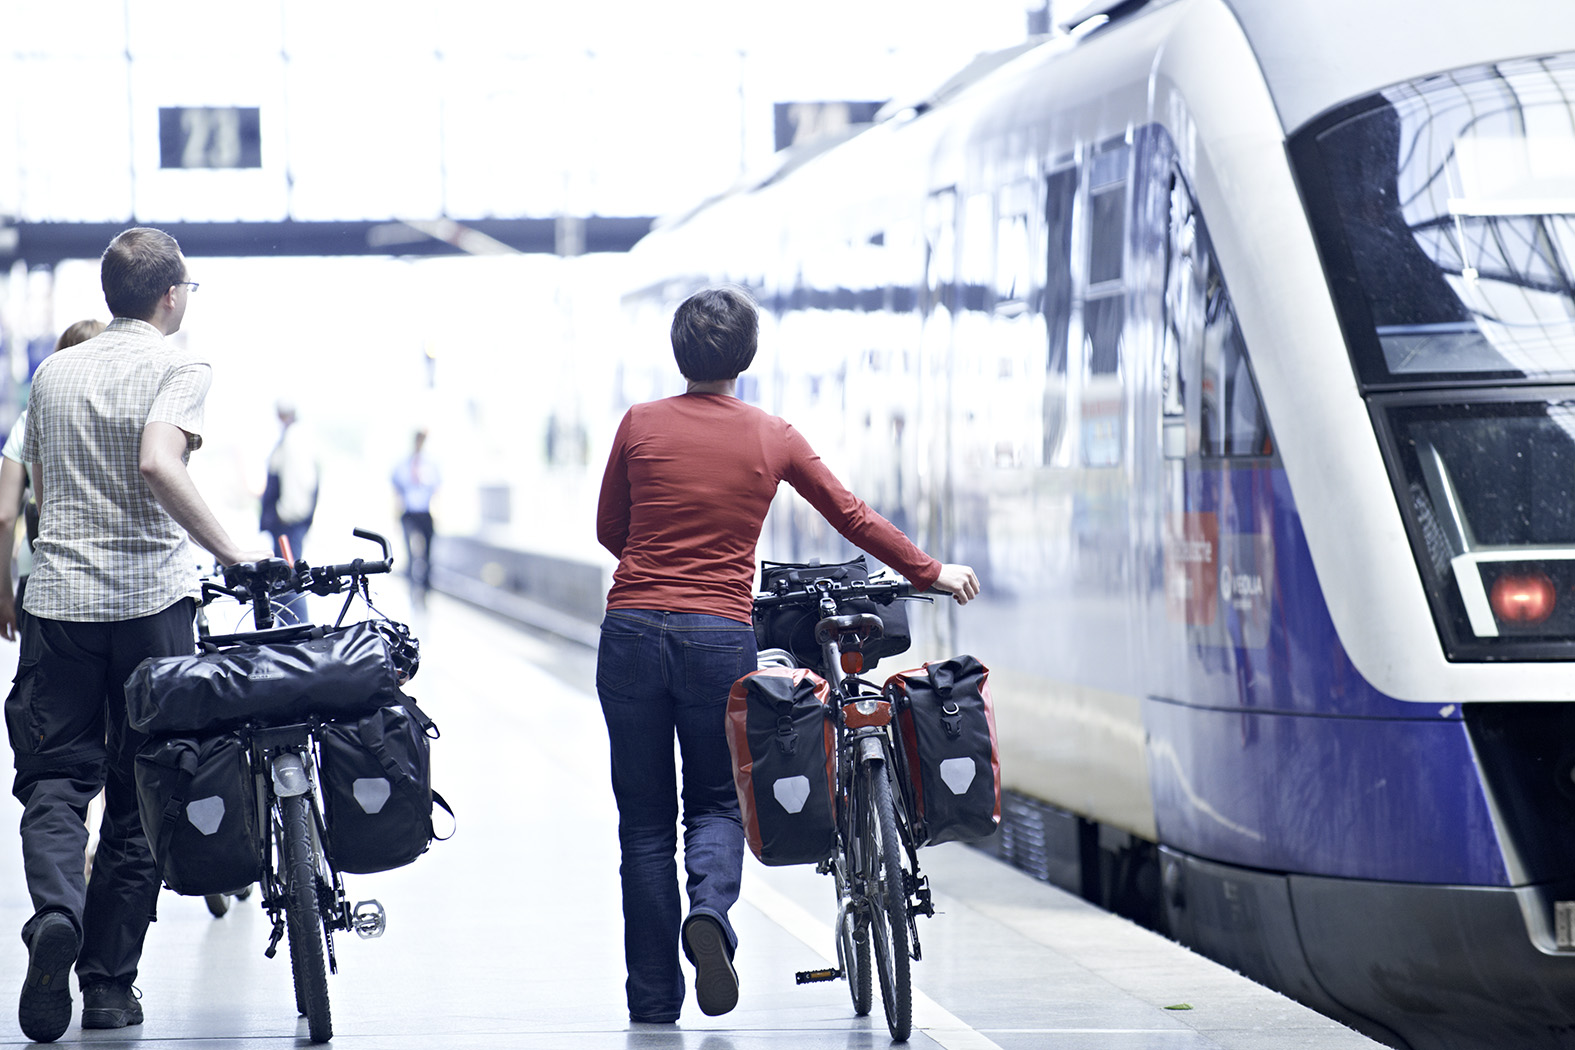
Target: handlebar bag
pixel 783 746
pixel 792 627
pixel 376 775
pixel 946 730
pixel 344 672
pixel 198 805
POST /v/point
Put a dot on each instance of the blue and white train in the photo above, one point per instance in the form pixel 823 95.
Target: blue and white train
pixel 1233 342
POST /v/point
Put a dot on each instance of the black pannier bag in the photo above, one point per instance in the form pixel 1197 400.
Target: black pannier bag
pixel 198 803
pixel 783 745
pixel 946 728
pixel 343 672
pixel 376 775
pixel 793 627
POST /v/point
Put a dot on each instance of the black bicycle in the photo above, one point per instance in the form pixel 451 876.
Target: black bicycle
pixel 302 892
pixel 876 865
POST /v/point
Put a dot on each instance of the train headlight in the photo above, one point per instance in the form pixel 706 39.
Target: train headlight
pixel 1523 597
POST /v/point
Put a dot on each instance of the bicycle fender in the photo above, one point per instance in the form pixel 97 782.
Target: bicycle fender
pixel 289 775
pixel 870 749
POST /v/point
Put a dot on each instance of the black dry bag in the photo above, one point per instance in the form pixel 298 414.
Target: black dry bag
pixel 332 673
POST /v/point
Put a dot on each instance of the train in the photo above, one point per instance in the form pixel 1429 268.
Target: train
pixel 1233 343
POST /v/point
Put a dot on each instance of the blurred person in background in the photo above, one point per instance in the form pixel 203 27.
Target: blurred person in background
pixel 110 426
pixel 16 498
pixel 289 499
pixel 687 486
pixel 416 480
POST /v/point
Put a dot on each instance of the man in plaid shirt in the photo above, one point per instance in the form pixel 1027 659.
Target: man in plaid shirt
pixel 110 424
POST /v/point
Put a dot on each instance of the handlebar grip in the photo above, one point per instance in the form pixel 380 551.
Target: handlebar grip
pixel 368 534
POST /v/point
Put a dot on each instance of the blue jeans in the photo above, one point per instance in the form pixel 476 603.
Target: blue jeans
pixel 659 674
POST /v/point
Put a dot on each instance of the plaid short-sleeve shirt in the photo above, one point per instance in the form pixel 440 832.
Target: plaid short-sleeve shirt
pixel 106 549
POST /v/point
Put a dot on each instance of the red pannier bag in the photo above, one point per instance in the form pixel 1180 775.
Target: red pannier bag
pixel 783 743
pixel 946 729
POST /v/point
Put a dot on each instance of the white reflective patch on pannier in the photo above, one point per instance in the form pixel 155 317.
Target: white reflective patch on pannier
pixel 791 792
pixel 957 773
pixel 371 793
pixel 206 814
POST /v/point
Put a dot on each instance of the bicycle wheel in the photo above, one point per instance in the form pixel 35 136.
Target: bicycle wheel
pixel 853 945
pixel 889 902
pixel 302 921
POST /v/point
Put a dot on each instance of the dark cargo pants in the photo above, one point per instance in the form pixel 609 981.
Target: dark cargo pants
pixel 66 716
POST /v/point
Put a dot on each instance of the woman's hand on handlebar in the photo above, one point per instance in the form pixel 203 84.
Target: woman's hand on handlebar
pixel 959 581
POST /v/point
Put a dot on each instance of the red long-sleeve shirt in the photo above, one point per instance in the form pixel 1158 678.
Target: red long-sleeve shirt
pixel 687 487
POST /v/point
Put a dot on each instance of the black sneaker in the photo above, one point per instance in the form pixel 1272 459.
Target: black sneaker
pixel 45 1009
pixel 716 982
pixel 109 1005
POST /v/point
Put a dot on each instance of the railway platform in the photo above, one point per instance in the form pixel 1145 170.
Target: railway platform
pixel 509 937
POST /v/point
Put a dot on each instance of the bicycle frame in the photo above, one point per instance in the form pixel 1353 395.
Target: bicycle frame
pixel 864 736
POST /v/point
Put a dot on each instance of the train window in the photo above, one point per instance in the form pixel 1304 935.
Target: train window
pixel 1103 395
pixel 1102 322
pixel 1444 214
pixel 1203 340
pixel 1107 233
pixel 1060 196
pixel 1014 261
pixel 976 247
pixel 1233 423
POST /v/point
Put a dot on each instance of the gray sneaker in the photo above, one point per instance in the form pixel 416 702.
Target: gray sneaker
pixel 109 1005
pixel 45 1008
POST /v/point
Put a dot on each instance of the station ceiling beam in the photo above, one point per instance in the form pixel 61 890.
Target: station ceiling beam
pixel 48 243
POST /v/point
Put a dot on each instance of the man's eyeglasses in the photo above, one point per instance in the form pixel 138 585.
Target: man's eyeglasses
pixel 193 285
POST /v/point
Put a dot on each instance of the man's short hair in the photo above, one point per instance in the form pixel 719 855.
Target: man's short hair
pixel 715 334
pixel 139 266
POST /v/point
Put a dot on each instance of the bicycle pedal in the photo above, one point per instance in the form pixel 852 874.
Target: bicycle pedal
pixel 813 976
pixel 273 940
pixel 368 919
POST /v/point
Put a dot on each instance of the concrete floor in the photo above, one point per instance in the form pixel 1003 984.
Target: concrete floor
pixel 509 935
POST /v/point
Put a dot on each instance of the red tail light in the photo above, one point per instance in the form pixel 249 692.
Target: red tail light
pixel 1523 597
pixel 852 661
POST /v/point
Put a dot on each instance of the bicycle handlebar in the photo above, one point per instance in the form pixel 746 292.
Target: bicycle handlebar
pixel 253 580
pixel 883 592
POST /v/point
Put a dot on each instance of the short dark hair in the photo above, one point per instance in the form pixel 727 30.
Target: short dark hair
pixel 715 334
pixel 139 266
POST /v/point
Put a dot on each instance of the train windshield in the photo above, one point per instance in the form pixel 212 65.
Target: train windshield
pixel 1445 210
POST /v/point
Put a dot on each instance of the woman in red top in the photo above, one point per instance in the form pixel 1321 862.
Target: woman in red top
pixel 687 487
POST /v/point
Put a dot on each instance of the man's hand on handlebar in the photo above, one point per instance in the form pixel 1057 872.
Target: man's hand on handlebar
pixel 251 557
pixel 959 581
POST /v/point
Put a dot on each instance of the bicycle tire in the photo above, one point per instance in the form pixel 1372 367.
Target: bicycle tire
pixel 889 903
pixel 303 923
pixel 853 951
